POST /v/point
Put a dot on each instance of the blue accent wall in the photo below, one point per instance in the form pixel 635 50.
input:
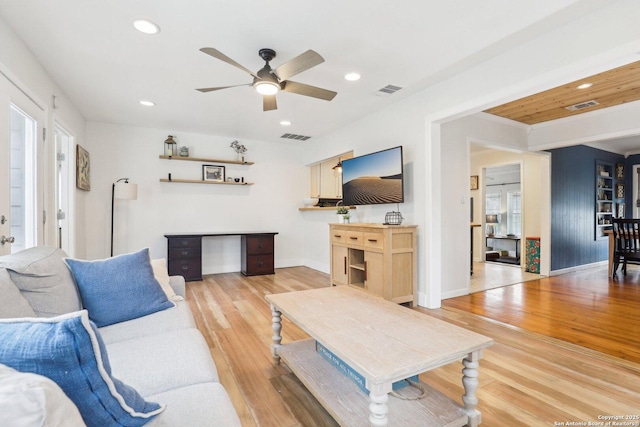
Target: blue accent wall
pixel 573 186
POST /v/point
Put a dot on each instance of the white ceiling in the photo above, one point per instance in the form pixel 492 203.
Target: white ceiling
pixel 105 66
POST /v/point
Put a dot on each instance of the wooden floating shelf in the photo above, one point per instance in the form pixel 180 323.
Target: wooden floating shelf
pixel 199 181
pixel 202 159
pixel 323 208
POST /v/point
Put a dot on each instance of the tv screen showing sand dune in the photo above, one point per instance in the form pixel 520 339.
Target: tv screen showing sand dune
pixel 373 179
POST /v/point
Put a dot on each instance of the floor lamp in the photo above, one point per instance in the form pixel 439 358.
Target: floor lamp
pixel 124 191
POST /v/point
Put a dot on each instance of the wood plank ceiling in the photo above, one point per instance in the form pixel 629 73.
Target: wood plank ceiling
pixel 613 87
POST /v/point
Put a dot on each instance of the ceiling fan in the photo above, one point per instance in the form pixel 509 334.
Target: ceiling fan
pixel 268 82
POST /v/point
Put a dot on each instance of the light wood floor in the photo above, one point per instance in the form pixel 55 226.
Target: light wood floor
pixel 490 275
pixel 528 378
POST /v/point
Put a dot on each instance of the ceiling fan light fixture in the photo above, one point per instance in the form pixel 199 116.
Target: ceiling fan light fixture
pixel 267 88
pixel 146 27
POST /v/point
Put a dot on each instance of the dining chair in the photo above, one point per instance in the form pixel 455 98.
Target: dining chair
pixel 626 233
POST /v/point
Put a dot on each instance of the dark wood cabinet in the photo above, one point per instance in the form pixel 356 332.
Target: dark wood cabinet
pixel 184 253
pixel 184 257
pixel 257 254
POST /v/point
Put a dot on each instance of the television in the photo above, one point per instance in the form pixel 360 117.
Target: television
pixel 374 178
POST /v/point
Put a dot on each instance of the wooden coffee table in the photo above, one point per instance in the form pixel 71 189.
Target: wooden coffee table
pixel 385 343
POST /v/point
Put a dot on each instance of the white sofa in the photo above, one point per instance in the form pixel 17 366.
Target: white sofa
pixel 162 355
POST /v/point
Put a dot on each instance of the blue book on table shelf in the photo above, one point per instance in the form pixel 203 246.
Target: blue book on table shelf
pixel 351 373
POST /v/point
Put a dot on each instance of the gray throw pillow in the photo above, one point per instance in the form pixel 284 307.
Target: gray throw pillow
pixel 12 304
pixel 44 280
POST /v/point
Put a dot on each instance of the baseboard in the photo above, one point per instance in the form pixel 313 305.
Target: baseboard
pixel 577 268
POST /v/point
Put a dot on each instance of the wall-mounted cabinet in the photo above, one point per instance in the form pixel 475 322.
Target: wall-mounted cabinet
pixel 325 181
pixel 605 198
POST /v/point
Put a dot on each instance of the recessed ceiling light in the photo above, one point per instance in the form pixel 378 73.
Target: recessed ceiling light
pixel 146 27
pixel 147 103
pixel 285 123
pixel 352 77
pixel 584 86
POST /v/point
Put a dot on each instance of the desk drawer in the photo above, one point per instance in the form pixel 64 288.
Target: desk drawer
pixel 258 264
pixel 184 242
pixel 259 244
pixel 354 238
pixel 190 269
pixel 186 252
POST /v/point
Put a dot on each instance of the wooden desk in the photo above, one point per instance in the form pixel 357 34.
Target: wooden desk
pixel 184 253
pixel 384 342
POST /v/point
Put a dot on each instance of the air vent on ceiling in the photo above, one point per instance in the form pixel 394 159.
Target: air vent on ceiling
pixel 582 105
pixel 294 136
pixel 388 90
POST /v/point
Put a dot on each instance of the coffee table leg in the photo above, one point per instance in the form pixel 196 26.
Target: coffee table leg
pixel 470 383
pixel 378 408
pixel 276 325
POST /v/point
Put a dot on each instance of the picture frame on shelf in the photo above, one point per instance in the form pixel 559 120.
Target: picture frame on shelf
pixel 620 191
pixel 474 183
pixel 619 170
pixel 213 173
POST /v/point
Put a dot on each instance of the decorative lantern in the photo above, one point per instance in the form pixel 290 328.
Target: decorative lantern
pixel 170 147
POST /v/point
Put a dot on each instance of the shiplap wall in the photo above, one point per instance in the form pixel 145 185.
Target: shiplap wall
pixel 573 183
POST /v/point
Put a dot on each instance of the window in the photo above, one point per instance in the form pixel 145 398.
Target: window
pixel 493 204
pixel 514 212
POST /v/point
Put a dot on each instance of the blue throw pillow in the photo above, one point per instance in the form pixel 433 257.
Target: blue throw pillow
pixel 118 289
pixel 68 349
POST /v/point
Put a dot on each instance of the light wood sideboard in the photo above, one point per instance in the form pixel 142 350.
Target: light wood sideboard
pixel 379 259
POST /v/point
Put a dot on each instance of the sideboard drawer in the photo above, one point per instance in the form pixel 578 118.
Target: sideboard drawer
pixel 374 240
pixel 258 264
pixel 259 244
pixel 338 236
pixel 354 238
pixel 190 269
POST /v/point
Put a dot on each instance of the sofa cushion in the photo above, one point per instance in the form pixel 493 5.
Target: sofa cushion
pixel 205 404
pixel 28 399
pixel 162 321
pixel 44 280
pixel 162 362
pixel 161 274
pixel 119 288
pixel 68 349
pixel 12 303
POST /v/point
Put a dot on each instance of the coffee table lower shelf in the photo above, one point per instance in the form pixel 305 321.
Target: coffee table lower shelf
pixel 349 406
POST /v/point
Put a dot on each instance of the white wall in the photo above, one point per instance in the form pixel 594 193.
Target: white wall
pixel 23 69
pixel 271 204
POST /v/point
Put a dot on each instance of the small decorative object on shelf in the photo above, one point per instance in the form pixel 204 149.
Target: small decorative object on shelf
pixel 184 151
pixel 393 218
pixel 343 211
pixel 240 149
pixel 170 147
pixel 213 173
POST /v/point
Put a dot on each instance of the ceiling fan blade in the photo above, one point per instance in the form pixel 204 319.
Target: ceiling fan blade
pixel 307 90
pixel 269 103
pixel 222 57
pixel 211 89
pixel 298 64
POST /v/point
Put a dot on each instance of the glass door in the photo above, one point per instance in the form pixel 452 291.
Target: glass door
pixel 21 192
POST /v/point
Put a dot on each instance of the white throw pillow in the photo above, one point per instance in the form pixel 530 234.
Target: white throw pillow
pixel 162 276
pixel 34 400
